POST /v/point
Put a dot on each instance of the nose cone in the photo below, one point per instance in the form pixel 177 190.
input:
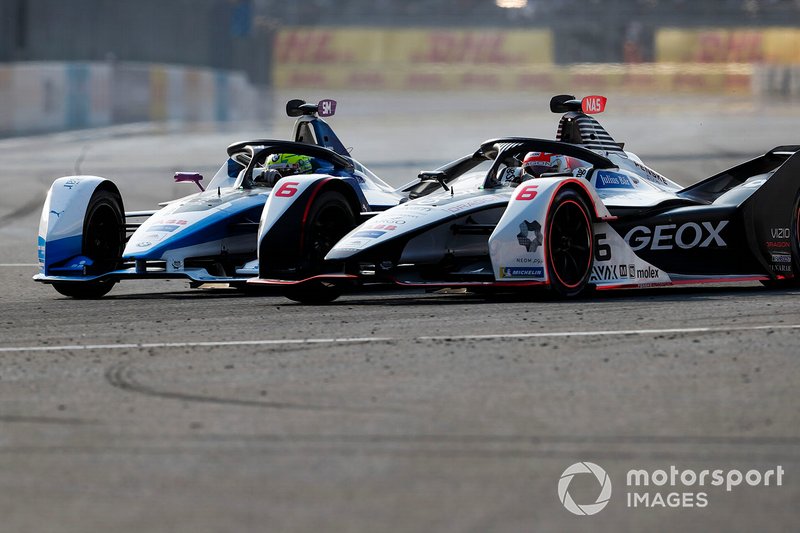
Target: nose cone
pixel 145 240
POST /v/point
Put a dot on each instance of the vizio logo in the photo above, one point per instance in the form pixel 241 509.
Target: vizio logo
pixel 780 233
pixel 588 508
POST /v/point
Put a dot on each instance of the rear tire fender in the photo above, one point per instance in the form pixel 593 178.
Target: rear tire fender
pixel 794 243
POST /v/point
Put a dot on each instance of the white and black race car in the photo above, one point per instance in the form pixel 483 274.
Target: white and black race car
pixel 607 222
pixel 87 242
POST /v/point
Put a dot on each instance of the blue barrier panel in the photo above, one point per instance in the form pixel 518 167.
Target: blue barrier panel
pixel 78 98
pixel 221 96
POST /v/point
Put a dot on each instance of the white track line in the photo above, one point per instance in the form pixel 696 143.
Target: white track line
pixel 280 342
pixel 618 332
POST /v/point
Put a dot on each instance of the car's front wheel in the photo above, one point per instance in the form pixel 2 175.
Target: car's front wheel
pixel 569 243
pixel 84 290
pixel 329 219
pixel 103 243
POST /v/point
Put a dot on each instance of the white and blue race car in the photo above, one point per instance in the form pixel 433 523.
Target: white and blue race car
pixel 87 242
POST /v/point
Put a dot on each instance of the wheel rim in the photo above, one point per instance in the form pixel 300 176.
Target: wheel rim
pixel 102 235
pixel 570 245
pixel 326 229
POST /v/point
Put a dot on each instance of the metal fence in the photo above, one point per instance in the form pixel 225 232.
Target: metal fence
pixel 211 33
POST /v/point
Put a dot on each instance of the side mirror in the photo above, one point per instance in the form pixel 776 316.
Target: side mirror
pixel 293 107
pixel 437 175
pixel 431 175
pixel 186 177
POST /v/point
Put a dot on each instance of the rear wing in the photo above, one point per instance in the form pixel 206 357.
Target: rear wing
pixel 771 214
pixel 709 189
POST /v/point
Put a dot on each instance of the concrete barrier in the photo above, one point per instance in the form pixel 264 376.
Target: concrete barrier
pixel 781 81
pixel 54 96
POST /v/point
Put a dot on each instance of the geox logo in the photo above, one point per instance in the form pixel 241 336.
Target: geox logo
pixel 686 236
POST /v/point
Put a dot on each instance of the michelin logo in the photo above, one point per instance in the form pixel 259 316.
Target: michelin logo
pixel 522 272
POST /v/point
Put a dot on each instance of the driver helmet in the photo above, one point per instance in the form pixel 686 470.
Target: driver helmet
pixel 537 163
pixel 565 163
pixel 290 164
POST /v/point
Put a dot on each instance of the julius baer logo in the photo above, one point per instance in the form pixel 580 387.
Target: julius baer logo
pixel 662 488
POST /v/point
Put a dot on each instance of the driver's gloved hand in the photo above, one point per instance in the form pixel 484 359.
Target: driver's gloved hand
pixel 511 176
pixel 266 176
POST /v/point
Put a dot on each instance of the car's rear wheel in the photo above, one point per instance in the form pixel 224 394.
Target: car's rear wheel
pixel 103 243
pixel 569 243
pixel 329 219
pixel 795 250
pixel 313 293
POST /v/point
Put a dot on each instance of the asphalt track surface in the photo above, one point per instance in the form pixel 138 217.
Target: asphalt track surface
pixel 160 408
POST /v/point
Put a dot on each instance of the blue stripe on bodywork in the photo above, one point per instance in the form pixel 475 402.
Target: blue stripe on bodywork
pixel 40 242
pixel 60 250
pixel 211 228
pixel 75 264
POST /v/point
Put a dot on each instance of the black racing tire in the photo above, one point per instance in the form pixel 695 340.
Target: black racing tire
pixel 569 243
pixel 329 219
pixel 103 243
pixel 794 282
pixel 84 290
pixel 313 293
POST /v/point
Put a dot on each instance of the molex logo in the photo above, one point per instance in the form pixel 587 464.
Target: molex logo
pixel 586 509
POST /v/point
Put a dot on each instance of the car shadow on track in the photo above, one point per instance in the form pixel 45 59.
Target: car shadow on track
pixel 451 297
pixel 661 294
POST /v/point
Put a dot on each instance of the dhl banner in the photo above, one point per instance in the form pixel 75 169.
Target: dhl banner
pixel 452 60
pixel 398 48
pixel 732 79
pixel 738 45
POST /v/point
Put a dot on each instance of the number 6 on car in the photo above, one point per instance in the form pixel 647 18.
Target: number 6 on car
pixel 286 189
pixel 527 192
